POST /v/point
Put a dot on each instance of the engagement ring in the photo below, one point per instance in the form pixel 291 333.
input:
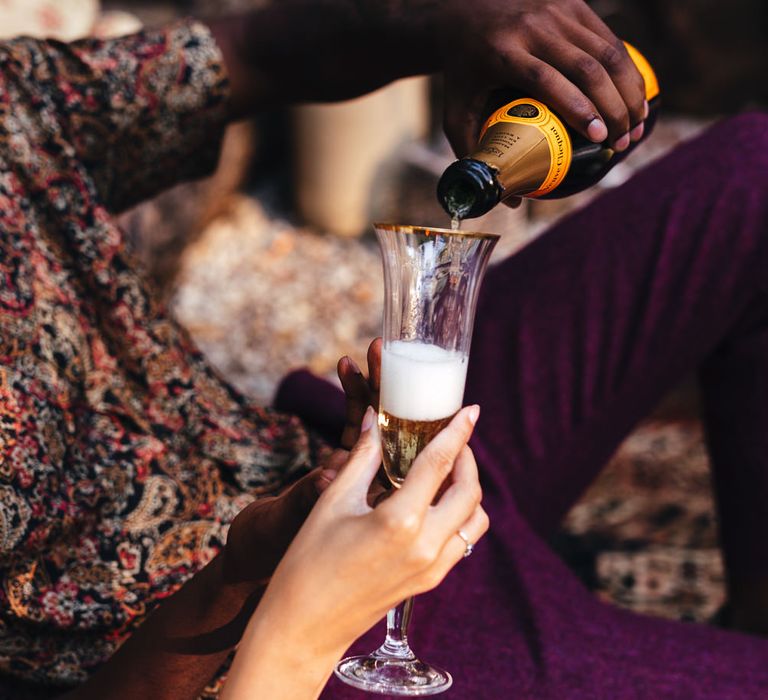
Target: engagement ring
pixel 470 547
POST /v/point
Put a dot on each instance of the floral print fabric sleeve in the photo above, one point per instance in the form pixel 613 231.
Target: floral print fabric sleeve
pixel 142 112
pixel 123 455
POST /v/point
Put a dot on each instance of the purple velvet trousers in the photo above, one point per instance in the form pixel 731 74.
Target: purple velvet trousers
pixel 577 337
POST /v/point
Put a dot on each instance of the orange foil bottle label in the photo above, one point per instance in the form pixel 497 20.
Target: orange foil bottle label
pixel 527 141
pixel 529 146
pixel 652 88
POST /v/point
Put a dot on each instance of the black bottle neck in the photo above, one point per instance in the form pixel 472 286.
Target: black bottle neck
pixel 468 189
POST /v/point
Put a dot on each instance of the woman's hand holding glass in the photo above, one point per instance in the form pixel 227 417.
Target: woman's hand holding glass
pixel 269 524
pixel 350 563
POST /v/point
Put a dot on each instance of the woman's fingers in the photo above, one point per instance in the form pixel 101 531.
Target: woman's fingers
pixel 357 474
pixel 459 501
pixel 433 466
pixel 438 559
pixel 455 548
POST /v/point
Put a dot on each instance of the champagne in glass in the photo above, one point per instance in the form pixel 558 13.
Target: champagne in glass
pixel 432 278
pixel 421 390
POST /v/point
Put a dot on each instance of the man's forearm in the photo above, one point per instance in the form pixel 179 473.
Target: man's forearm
pixel 317 50
pixel 181 645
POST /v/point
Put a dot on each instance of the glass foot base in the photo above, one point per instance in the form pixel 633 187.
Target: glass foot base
pixel 393 676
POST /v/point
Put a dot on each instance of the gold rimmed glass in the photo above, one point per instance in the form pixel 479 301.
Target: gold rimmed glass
pixel 431 279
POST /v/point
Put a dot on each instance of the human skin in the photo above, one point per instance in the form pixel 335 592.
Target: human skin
pixel 326 50
pixel 185 640
pixel 350 563
pixel 346 567
pixel 558 50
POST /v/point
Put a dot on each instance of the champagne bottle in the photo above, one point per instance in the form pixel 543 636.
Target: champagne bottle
pixel 526 150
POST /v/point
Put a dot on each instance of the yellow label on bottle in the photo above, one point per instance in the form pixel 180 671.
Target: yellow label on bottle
pixel 532 113
pixel 652 88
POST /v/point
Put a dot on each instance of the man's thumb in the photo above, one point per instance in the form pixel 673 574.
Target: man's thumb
pixel 301 496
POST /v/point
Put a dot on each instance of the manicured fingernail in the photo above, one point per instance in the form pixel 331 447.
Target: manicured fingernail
pixel 637 133
pixel 367 420
pixel 646 109
pixel 597 131
pixel 622 144
pixel 327 477
pixel 473 414
pixel 353 365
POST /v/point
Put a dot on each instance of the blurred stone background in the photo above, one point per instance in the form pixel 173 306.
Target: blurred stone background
pixel 272 265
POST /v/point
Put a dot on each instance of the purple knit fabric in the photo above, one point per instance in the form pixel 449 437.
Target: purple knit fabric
pixel 577 337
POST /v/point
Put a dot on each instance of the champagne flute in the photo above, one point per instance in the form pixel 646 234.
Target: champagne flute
pixel 432 278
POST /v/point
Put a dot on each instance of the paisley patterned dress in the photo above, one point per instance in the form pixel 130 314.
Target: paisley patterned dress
pixel 123 456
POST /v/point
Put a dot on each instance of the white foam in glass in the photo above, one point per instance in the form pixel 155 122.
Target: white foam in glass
pixel 420 381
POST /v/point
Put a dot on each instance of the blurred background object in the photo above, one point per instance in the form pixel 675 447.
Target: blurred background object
pixel 271 264
pixel 345 154
pixel 711 56
pixel 113 23
pixel 62 19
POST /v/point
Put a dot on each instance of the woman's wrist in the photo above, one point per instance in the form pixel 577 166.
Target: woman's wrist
pixel 277 659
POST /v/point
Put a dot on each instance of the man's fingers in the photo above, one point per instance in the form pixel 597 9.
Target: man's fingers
pixel 434 464
pixel 544 82
pixel 357 395
pixel 460 128
pixel 299 498
pixel 592 79
pixel 615 59
pixel 629 75
pixel 359 392
pixel 374 369
pixel 588 18
pixel 349 375
pixel 462 114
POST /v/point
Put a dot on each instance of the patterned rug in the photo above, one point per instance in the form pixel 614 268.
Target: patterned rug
pixel 645 534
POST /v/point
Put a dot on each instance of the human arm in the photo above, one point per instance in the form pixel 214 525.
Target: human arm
pixel 183 643
pixel 139 113
pixel 185 640
pixel 558 50
pixel 146 111
pixel 349 563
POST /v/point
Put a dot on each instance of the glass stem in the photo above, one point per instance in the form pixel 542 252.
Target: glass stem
pixel 396 642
